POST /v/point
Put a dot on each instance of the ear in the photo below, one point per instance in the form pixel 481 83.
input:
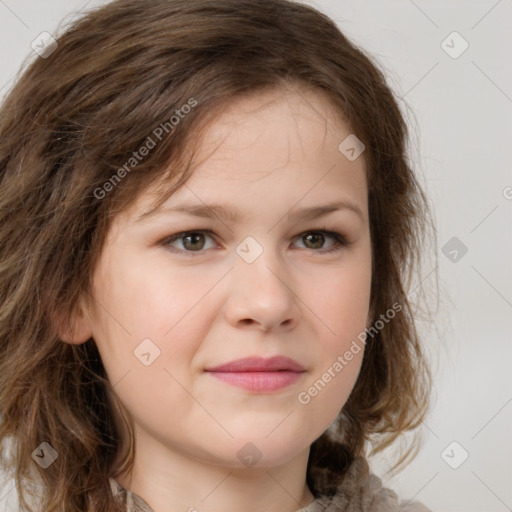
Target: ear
pixel 74 329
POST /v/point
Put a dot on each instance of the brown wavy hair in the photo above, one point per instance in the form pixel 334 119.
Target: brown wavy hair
pixel 67 126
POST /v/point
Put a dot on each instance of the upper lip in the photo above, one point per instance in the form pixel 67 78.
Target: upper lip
pixel 259 364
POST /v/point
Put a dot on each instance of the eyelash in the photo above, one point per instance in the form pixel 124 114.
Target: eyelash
pixel 340 241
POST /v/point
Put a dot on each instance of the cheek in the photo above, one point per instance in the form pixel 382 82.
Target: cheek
pixel 341 302
pixel 341 299
pixel 145 299
pixel 147 330
pixel 323 398
pixel 327 389
pixel 137 303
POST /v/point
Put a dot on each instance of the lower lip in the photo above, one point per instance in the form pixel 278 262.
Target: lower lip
pixel 259 381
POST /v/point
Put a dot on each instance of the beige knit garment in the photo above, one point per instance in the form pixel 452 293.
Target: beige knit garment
pixel 355 491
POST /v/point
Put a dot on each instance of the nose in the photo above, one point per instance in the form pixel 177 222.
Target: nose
pixel 262 295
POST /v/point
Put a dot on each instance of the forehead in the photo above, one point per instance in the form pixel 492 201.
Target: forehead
pixel 281 117
pixel 278 142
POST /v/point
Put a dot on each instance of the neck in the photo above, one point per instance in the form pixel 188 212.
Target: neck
pixel 170 480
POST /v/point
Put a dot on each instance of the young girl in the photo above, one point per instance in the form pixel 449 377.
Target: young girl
pixel 255 371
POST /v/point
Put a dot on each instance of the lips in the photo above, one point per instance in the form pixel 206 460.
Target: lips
pixel 259 364
pixel 259 375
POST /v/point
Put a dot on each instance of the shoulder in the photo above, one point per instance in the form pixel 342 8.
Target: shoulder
pixel 413 506
pixel 355 490
pixel 128 499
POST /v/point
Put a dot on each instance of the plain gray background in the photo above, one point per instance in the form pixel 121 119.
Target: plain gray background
pixel 461 130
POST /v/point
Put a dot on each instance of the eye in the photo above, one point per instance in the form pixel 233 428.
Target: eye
pixel 317 238
pixel 193 241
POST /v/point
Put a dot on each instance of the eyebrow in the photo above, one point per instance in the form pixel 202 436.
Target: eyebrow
pixel 228 213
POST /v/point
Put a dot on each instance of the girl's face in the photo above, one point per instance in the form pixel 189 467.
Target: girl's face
pixel 250 280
